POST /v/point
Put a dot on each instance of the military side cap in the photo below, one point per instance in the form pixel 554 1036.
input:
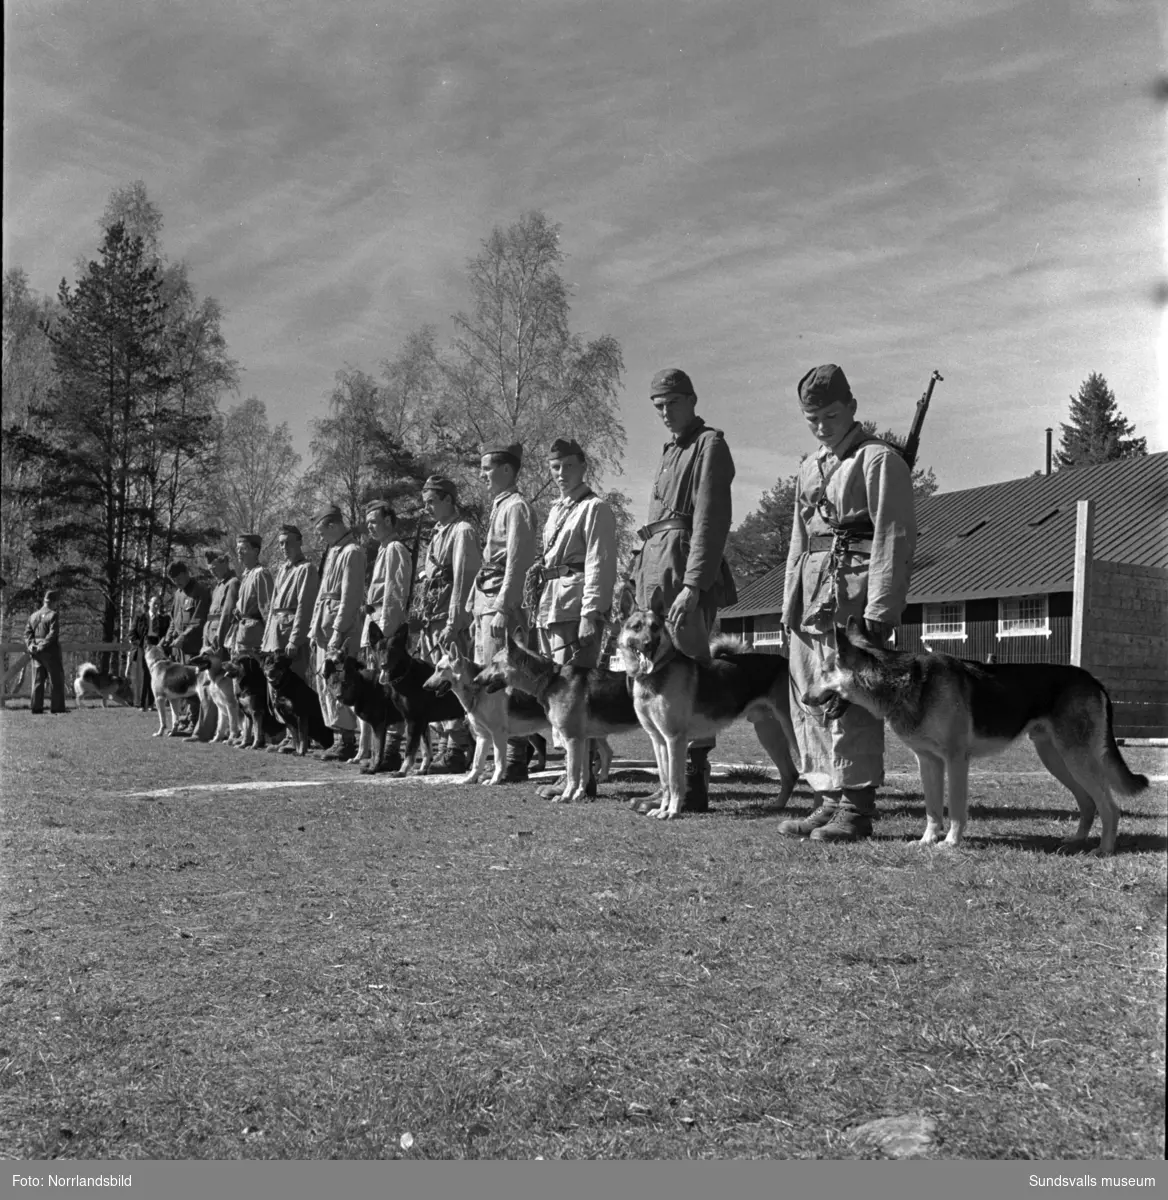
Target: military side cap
pixel 672 379
pixel 439 483
pixel 327 512
pixel 513 452
pixel 292 531
pixel 822 386
pixel 251 539
pixel 564 447
pixel 216 556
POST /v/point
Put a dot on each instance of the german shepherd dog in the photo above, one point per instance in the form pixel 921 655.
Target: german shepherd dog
pixel 256 717
pixel 360 690
pixel 581 703
pixel 678 698
pixel 171 681
pixel 948 710
pixel 92 684
pixel 494 714
pixel 295 703
pixel 217 694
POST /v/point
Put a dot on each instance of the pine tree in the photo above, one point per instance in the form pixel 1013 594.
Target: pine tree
pixel 1097 432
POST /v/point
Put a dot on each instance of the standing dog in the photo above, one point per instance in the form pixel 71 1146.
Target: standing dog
pixel 257 720
pixel 217 693
pixel 678 698
pixel 295 703
pixel 948 710
pixel 92 684
pixel 580 702
pixel 171 681
pixel 360 691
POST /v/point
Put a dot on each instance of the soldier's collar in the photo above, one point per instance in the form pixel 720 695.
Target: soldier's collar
pixel 579 490
pixel 684 439
pixel 847 443
pixel 511 491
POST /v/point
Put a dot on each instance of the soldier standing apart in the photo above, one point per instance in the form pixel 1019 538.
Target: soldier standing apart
pixel 184 639
pixel 42 639
pixel 447 578
pixel 851 556
pixel 386 606
pixel 255 597
pixel 508 553
pixel 224 596
pixel 574 579
pixel 336 621
pixel 683 545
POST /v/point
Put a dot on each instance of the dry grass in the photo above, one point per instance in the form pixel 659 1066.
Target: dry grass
pixel 311 972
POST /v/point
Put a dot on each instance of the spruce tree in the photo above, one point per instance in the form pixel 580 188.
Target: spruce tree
pixel 1097 432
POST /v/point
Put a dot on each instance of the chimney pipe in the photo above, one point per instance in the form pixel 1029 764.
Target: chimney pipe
pixel 1049 431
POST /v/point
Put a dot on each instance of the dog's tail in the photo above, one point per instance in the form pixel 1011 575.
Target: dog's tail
pixel 87 668
pixel 725 644
pixel 1125 781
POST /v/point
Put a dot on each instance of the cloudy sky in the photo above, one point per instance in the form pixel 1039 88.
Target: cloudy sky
pixel 746 188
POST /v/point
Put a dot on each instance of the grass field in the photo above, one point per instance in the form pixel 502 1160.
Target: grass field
pixel 374 968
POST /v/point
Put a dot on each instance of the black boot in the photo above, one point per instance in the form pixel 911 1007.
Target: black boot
pixel 516 771
pixel 697 781
pixel 805 826
pixel 852 820
pixel 342 751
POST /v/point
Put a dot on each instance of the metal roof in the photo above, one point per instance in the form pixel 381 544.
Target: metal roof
pixel 1018 537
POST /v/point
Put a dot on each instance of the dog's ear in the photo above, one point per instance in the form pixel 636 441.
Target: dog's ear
pixel 376 637
pixel 329 669
pixel 657 602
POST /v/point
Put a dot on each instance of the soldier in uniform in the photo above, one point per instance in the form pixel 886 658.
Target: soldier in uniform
pixel 255 598
pixel 336 621
pixel 42 639
pixel 574 579
pixel 224 596
pixel 683 544
pixel 184 639
pixel 508 552
pixel 153 623
pixel 386 605
pixel 447 579
pixel 290 614
pixel 850 556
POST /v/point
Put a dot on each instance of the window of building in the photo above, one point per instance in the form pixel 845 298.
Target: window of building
pixel 943 621
pixel 1024 616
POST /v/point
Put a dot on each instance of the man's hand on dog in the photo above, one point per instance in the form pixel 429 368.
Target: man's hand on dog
pixel 878 631
pixel 587 630
pixel 684 603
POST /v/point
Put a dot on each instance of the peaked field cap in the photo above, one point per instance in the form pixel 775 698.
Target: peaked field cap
pixel 822 386
pixel 513 451
pixel 251 539
pixel 291 531
pixel 672 379
pixel 440 483
pixel 329 513
pixel 563 447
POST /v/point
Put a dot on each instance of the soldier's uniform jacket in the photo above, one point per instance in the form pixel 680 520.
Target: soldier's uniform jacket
pixel 187 617
pixel 509 551
pixel 388 590
pixel 452 561
pixel 224 597
pixel 692 486
pixel 41 634
pixel 251 609
pixel 290 615
pixel 579 559
pixel 858 494
pixel 336 616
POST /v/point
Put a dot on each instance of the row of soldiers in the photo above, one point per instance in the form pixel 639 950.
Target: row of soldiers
pixel 850 555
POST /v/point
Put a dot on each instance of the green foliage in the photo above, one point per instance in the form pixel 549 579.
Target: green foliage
pixel 1097 431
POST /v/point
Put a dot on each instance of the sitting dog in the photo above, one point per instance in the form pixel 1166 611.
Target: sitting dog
pixel 678 698
pixel 405 677
pixel 257 720
pixel 581 703
pixel 217 694
pixel 92 684
pixel 297 705
pixel 947 710
pixel 494 715
pixel 171 681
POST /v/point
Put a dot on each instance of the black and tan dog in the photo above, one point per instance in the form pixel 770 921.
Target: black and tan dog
pixel 678 698
pixel 948 710
pixel 94 684
pixel 581 703
pixel 256 717
pixel 217 695
pixel 172 682
pixel 295 703
pixel 361 691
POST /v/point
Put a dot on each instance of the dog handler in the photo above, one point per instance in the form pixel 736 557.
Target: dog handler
pixel 224 596
pixel 683 544
pixel 850 556
pixel 507 554
pixel 184 639
pixel 336 620
pixel 42 639
pixel 447 578
pixel 255 597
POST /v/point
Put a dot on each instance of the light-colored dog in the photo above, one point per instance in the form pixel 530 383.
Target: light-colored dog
pixel 949 710
pixel 217 694
pixel 171 682
pixel 93 684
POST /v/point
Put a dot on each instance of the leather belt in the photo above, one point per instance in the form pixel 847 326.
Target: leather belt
pixel 561 569
pixel 647 531
pixel 821 543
